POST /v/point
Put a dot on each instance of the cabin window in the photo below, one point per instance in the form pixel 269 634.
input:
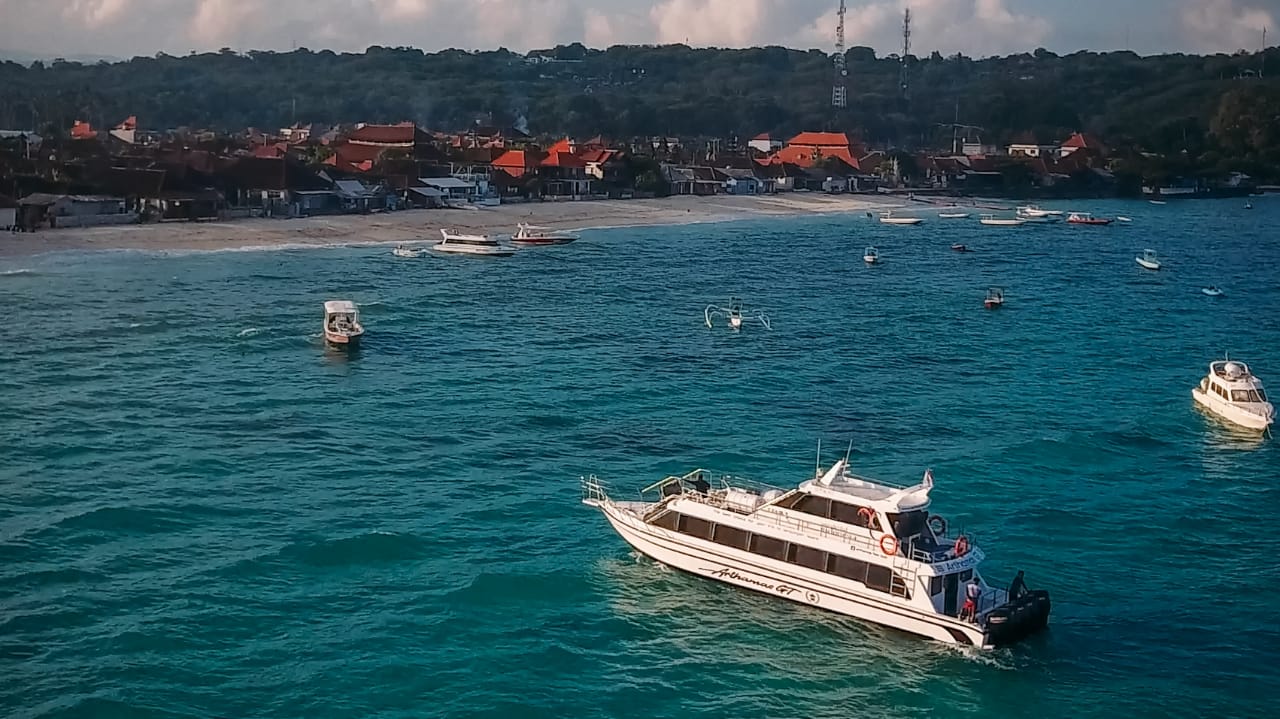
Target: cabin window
pixel 879 577
pixel 695 527
pixel 908 524
pixel 730 536
pixel 849 568
pixel 806 557
pixel 668 521
pixel 1262 394
pixel 935 586
pixel 966 575
pixel 817 506
pixel 769 547
pixel 1245 395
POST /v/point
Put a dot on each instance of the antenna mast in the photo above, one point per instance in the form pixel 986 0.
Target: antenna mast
pixel 906 50
pixel 839 93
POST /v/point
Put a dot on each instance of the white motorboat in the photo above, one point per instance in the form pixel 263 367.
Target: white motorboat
pixel 993 221
pixel 871 255
pixel 840 542
pixel 1035 211
pixel 888 218
pixel 1085 218
pixel 954 215
pixel 1232 392
pixel 479 245
pixel 734 315
pixel 403 251
pixel 531 235
pixel 342 323
pixel 1122 218
pixel 1149 260
pixel 995 298
pixel 1213 291
pixel 1157 202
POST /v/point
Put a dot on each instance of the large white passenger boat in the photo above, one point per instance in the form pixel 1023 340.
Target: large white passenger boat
pixel 838 541
pixel 480 245
pixel 1232 392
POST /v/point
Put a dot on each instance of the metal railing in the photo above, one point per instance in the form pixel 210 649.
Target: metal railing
pixel 594 489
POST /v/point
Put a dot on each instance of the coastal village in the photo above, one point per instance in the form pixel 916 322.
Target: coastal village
pixel 125 174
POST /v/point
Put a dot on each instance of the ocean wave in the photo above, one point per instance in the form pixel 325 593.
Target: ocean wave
pixel 132 520
pixel 250 332
pixel 17 272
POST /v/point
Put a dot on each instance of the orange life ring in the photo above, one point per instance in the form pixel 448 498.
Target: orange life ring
pixel 892 549
pixel 962 545
pixel 867 512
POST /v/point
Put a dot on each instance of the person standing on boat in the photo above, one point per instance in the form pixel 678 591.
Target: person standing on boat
pixel 972 595
pixel 1017 587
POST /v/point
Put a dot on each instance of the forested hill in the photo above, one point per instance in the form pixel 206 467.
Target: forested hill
pixel 1163 103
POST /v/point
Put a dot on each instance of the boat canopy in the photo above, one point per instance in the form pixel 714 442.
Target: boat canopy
pixel 334 307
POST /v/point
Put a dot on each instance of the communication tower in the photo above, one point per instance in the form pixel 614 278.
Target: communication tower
pixel 906 50
pixel 840 93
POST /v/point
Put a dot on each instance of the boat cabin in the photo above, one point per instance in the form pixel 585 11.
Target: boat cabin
pixel 341 316
pixel 1233 382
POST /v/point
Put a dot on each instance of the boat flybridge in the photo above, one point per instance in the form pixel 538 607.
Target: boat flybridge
pixel 481 245
pixel 841 542
pixel 1232 392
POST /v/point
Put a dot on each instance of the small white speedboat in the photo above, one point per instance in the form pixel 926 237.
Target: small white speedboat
pixel 476 245
pixel 993 221
pixel 995 299
pixel 1035 211
pixel 530 235
pixel 342 323
pixel 1122 218
pixel 1149 260
pixel 1232 392
pixel 402 251
pixel 1213 291
pixel 953 215
pixel 871 255
pixel 888 218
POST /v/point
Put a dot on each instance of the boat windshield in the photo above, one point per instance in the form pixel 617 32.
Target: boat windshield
pixel 908 524
pixel 1248 395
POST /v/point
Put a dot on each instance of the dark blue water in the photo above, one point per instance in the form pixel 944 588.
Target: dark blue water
pixel 204 512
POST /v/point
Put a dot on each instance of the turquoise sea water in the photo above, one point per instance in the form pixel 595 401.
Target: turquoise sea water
pixel 204 512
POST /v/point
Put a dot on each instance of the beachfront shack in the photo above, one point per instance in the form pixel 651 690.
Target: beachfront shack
pixel 40 209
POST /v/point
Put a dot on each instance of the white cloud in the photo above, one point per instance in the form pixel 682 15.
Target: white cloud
pixel 1224 25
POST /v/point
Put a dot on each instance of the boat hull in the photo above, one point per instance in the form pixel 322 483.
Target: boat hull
pixel 1147 264
pixel 795 583
pixel 899 221
pixel 1231 413
pixel 471 251
pixel 341 339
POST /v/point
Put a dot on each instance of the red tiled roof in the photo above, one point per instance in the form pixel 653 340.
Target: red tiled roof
pixel 356 154
pixel 598 156
pixel 403 134
pixel 762 136
pixel 130 123
pixel 809 156
pixel 565 145
pixel 516 162
pixel 82 131
pixel 1082 141
pixel 562 159
pixel 819 139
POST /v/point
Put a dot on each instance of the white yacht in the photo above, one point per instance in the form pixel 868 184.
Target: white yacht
pixel 527 234
pixel 838 541
pixel 953 215
pixel 481 245
pixel 1232 392
pixel 871 255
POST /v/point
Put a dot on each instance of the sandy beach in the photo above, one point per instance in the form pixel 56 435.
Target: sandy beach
pixel 425 225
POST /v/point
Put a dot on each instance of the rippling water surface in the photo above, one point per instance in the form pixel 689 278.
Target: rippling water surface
pixel 204 512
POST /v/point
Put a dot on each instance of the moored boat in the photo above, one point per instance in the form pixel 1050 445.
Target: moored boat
pixel 531 235
pixel 403 251
pixel 871 255
pixel 342 323
pixel 479 245
pixel 1213 291
pixel 993 221
pixel 1232 392
pixel 888 218
pixel 953 215
pixel 1084 218
pixel 1149 260
pixel 958 247
pixel 1035 211
pixel 840 542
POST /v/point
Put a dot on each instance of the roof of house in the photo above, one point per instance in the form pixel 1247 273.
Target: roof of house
pixel 130 123
pixel 81 130
pixel 598 156
pixel 405 133
pixel 563 145
pixel 446 183
pixel 1082 141
pixel 762 136
pixel 820 139
pixel 808 156
pixel 562 159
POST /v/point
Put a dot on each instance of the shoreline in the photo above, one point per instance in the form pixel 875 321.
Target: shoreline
pixel 418 226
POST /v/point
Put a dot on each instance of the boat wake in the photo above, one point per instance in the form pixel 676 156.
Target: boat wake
pixel 17 272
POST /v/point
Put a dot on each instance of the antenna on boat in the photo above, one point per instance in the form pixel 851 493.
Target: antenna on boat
pixel 848 452
pixel 817 461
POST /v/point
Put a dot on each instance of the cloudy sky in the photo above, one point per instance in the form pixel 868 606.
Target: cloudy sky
pixel 123 28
